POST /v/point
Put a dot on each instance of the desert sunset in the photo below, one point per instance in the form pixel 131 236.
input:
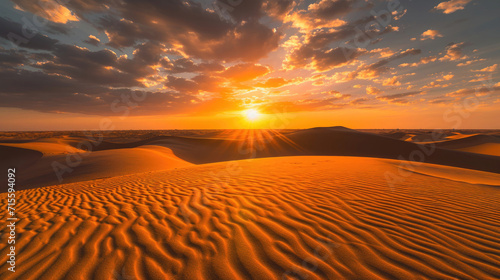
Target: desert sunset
pixel 249 139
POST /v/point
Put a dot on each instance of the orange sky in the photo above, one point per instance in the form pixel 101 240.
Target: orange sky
pixel 192 64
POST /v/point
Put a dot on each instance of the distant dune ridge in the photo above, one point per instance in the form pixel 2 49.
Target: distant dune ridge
pixel 303 204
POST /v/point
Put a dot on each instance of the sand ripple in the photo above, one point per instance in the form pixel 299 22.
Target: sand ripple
pixel 276 218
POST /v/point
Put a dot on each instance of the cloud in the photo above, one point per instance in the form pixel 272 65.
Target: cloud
pixel 188 25
pixel 372 90
pixel 274 83
pixel 186 65
pixel 430 34
pixel 189 58
pixel 182 85
pixel 358 101
pixel 279 8
pixel 299 106
pixel 93 40
pixel 320 38
pixel 43 92
pixel 377 68
pixel 25 36
pixel 491 68
pixel 400 97
pixel 393 81
pixel 325 13
pixel 315 50
pixel 383 52
pixel 321 59
pixel 245 72
pixel 331 100
pixel 480 78
pixel 221 82
pixel 453 52
pixel 452 6
pixel 247 42
pixel 423 60
pixel 197 84
pixel 474 91
pixel 469 62
pixel 334 95
pixel 436 84
pixel 36 90
pixel 103 67
pixel 49 9
pixel 446 78
pixel 12 58
pixel 399 14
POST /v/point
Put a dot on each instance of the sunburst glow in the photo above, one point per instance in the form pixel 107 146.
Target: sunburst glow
pixel 252 114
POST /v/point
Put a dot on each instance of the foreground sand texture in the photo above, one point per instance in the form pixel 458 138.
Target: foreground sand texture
pixel 321 203
pixel 274 218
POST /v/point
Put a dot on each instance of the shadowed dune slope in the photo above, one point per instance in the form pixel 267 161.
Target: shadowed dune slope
pixel 67 168
pixel 274 218
pixel 17 157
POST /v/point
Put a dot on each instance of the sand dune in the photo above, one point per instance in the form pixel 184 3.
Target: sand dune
pixel 274 218
pixel 47 146
pixel 485 149
pixel 107 159
pixel 17 157
pixel 95 165
pixel 476 143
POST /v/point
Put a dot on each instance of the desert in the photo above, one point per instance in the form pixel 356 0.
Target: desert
pixel 211 208
pixel 249 140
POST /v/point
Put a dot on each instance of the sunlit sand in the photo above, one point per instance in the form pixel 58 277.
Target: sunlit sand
pixel 323 203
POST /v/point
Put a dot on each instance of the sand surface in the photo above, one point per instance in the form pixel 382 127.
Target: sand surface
pixel 274 218
pixel 322 203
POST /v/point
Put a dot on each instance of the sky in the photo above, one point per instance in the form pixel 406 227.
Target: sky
pixel 215 64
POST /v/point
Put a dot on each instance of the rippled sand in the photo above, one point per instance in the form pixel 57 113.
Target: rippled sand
pixel 321 217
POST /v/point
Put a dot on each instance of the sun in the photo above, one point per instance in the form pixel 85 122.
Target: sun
pixel 252 114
